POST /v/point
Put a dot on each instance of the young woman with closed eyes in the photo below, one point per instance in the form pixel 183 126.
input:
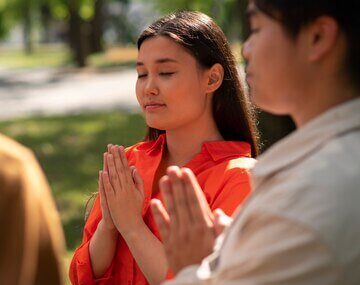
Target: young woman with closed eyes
pixel 198 117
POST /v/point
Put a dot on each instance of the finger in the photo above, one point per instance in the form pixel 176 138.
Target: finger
pixel 126 170
pixel 165 189
pixel 139 182
pixel 221 221
pixel 198 206
pixel 190 179
pixel 161 218
pixel 117 160
pixel 103 202
pixel 132 169
pixel 114 178
pixel 180 201
pixel 109 191
pixel 105 166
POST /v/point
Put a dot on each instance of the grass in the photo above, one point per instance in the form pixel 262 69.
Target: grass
pixel 69 148
pixel 43 56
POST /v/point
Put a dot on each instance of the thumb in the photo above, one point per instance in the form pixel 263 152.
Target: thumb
pixel 221 221
pixel 139 183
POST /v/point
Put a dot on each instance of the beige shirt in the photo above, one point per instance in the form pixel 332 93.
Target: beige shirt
pixel 302 223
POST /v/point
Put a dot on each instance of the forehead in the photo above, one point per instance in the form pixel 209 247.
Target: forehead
pixel 159 47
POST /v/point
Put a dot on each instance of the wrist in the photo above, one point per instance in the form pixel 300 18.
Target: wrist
pixel 134 230
pixel 104 229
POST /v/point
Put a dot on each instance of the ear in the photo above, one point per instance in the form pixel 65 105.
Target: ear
pixel 323 35
pixel 215 76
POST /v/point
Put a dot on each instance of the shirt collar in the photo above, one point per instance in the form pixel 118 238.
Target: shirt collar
pixel 216 149
pixel 158 145
pixel 305 140
pixel 219 150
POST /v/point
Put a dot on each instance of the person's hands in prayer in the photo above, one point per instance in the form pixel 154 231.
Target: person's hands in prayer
pixel 187 225
pixel 124 191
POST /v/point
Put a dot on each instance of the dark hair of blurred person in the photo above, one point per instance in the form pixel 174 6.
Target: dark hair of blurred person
pixel 297 14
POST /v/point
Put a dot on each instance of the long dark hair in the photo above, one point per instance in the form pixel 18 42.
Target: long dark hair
pixel 199 34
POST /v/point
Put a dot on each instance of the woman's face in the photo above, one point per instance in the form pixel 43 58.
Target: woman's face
pixel 171 88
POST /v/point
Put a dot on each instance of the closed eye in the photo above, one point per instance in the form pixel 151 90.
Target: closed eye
pixel 142 75
pixel 166 73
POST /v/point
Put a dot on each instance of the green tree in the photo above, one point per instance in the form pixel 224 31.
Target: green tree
pixel 13 12
pixel 222 11
pixel 84 19
pixel 3 21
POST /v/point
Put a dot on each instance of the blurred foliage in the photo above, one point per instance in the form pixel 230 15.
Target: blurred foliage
pixel 82 23
pixel 60 8
pixel 224 12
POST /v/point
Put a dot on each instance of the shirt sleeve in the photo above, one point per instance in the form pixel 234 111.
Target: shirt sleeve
pixel 270 250
pixel 80 271
pixel 232 191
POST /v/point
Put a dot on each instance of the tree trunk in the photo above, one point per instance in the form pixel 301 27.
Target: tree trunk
pixel 27 31
pixel 46 20
pixel 76 35
pixel 241 8
pixel 97 26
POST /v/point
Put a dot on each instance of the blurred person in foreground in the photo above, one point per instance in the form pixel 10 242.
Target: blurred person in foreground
pixel 31 238
pixel 301 225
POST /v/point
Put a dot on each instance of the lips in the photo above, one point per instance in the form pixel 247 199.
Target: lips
pixel 248 76
pixel 153 106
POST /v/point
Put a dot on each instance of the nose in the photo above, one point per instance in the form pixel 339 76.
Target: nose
pixel 151 87
pixel 246 50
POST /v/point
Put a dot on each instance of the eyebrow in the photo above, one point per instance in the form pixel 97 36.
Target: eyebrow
pixel 160 60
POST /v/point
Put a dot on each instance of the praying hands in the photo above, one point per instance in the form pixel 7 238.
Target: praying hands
pixel 187 225
pixel 121 192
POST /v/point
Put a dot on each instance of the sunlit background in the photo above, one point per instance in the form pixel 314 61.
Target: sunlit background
pixel 67 85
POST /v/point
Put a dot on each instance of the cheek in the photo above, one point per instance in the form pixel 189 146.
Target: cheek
pixel 138 91
pixel 184 107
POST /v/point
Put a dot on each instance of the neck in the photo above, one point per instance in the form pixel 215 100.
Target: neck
pixel 320 99
pixel 185 142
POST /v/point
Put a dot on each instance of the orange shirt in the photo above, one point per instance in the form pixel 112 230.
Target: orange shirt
pixel 221 169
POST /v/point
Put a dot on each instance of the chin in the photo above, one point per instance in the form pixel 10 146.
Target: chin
pixel 156 125
pixel 267 103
